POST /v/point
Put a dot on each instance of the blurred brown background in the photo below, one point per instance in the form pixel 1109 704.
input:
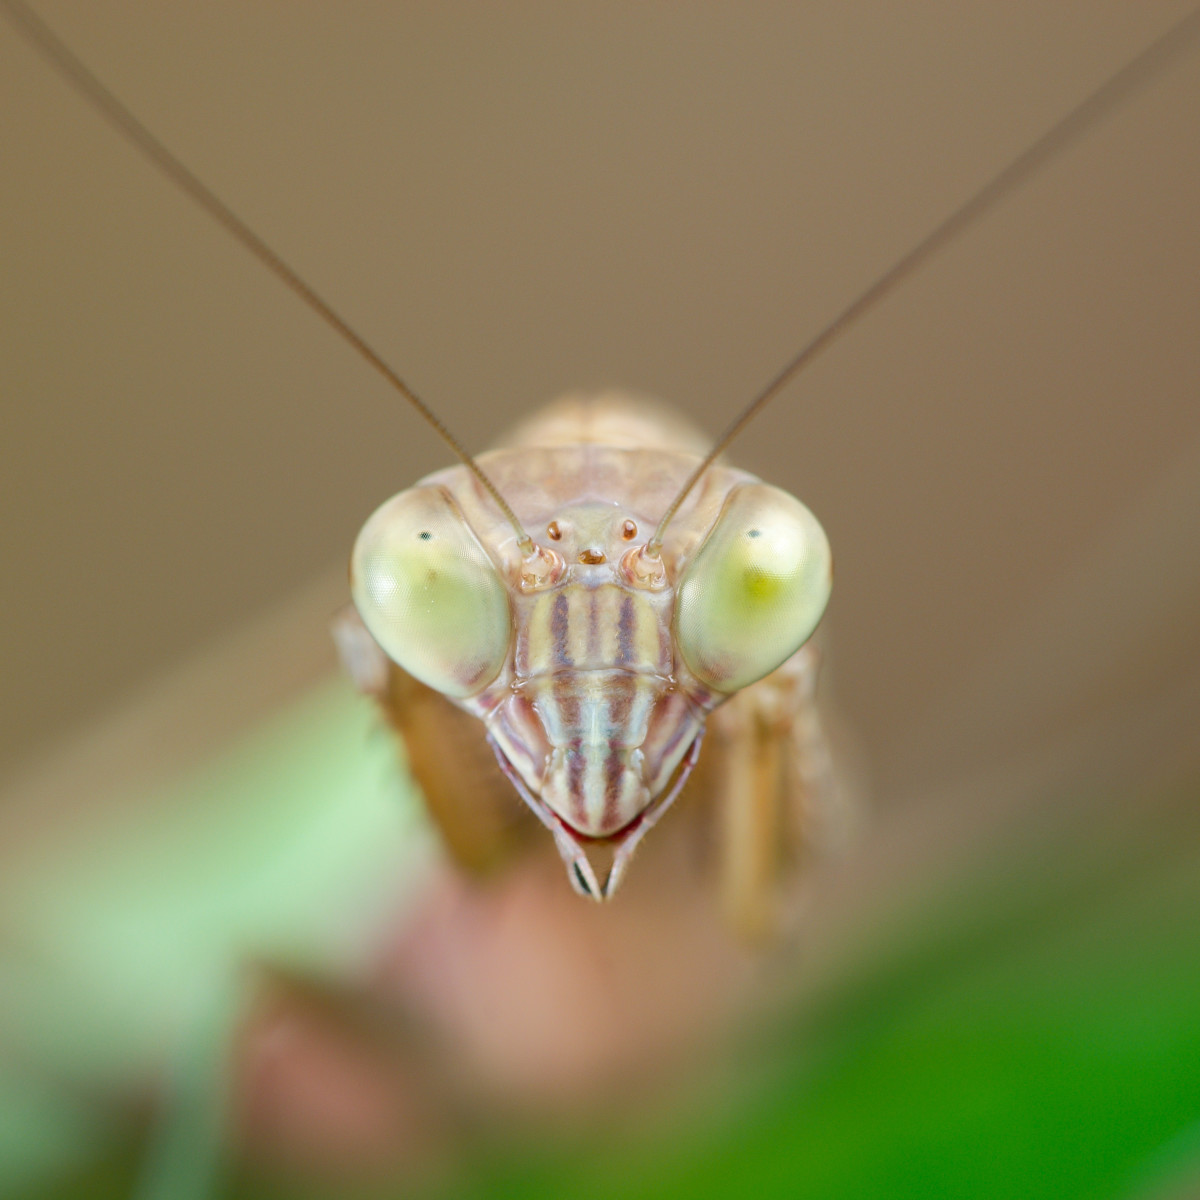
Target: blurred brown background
pixel 511 201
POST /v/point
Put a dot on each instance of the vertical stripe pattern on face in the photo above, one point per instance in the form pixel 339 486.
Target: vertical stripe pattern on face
pixel 593 661
pixel 596 722
pixel 593 628
pixel 593 669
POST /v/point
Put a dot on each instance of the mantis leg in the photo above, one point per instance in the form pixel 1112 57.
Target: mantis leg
pixel 480 818
pixel 770 783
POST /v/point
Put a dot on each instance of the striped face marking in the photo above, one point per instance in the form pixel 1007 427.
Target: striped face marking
pixel 586 628
pixel 591 721
pixel 594 662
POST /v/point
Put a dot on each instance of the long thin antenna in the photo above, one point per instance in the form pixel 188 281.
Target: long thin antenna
pixel 43 39
pixel 1102 101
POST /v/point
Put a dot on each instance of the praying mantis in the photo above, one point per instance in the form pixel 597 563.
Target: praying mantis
pixel 915 532
pixel 579 873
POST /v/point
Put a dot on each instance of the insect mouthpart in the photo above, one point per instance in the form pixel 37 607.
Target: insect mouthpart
pixel 579 849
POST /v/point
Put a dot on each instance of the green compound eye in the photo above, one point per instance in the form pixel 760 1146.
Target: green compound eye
pixel 755 590
pixel 429 593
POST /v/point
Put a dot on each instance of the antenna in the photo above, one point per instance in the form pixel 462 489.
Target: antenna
pixel 71 68
pixel 1118 87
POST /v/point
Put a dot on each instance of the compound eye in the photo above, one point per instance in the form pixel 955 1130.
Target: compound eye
pixel 756 589
pixel 429 593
